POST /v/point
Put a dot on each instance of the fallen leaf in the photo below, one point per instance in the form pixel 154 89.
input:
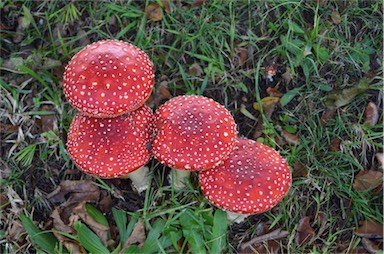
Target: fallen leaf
pixel 166 5
pixel 48 121
pixel 274 235
pixel 335 145
pixel 287 76
pixel 338 98
pixel 198 3
pixel 304 231
pixel 371 246
pixel 326 116
pixel 370 229
pixel 15 231
pixel 259 128
pixel 154 12
pixel 266 102
pixel 195 70
pixel 380 158
pixel 4 128
pixel 74 192
pixel 335 17
pixel 368 180
pixel 274 92
pixel 290 138
pixel 299 170
pixel 371 114
pixel 99 229
pixel 241 56
pixel 137 235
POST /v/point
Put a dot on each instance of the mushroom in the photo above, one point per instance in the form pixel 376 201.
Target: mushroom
pixel 113 147
pixel 108 78
pixel 192 133
pixel 252 180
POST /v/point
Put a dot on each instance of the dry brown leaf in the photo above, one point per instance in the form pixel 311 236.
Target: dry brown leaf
pixel 335 145
pixel 326 116
pixel 274 92
pixel 368 180
pixel 371 114
pixel 99 229
pixel 304 231
pixel 154 12
pixel 15 231
pixel 241 56
pixel 287 76
pixel 48 122
pixel 335 17
pixel 266 102
pixel 370 229
pixel 372 246
pixel 80 191
pixel 299 170
pixel 166 5
pixel 198 3
pixel 274 235
pixel 195 70
pixel 137 235
pixel 8 128
pixel 290 138
pixel 259 128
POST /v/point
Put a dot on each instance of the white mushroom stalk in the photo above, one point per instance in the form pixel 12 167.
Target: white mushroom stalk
pixel 139 178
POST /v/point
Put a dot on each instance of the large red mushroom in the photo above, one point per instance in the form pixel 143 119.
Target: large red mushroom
pixel 108 78
pixel 113 147
pixel 192 133
pixel 252 180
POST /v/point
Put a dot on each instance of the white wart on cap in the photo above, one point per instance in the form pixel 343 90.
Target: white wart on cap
pixel 193 133
pixel 251 181
pixel 108 78
pixel 111 147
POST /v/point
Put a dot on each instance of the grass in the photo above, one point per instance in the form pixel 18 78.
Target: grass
pixel 317 48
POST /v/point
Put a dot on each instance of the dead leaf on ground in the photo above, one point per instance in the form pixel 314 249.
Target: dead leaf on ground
pixel 8 128
pixel 274 92
pixel 287 76
pixel 137 236
pixel 335 17
pixel 269 238
pixel 266 102
pixel 166 5
pixel 154 12
pixel 368 180
pixel 370 229
pixel 259 128
pixel 198 3
pixel 292 139
pixel 304 231
pixel 195 70
pixel 372 246
pixel 48 121
pixel 326 116
pixel 299 170
pixel 99 229
pixel 241 56
pixel 371 114
pixel 80 191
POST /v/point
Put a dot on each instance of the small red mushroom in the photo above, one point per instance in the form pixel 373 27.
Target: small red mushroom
pixel 112 147
pixel 252 180
pixel 108 78
pixel 193 133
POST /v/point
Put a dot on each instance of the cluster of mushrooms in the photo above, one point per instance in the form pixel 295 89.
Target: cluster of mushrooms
pixel 115 134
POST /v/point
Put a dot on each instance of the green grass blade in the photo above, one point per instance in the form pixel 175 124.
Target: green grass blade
pixel 44 240
pixel 219 232
pixel 89 240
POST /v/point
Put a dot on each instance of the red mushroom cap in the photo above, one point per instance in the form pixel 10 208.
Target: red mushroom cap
pixel 193 133
pixel 108 78
pixel 252 180
pixel 111 147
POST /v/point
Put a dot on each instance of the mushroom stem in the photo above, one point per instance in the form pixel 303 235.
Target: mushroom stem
pixel 236 217
pixel 177 177
pixel 139 178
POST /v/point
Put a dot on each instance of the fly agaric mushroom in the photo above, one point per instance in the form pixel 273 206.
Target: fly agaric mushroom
pixel 192 133
pixel 113 147
pixel 108 78
pixel 252 180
